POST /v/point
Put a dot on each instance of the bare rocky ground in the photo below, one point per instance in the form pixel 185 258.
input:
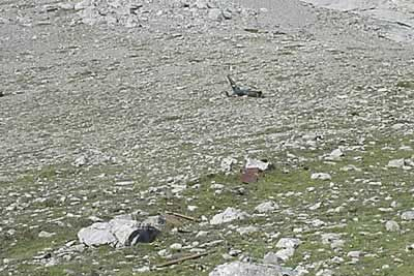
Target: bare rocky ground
pixel 117 107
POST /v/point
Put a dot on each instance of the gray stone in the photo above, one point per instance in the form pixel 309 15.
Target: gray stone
pixel 335 155
pixel 321 176
pixel 250 269
pixel 396 163
pixel 227 164
pixel 288 243
pixel 228 215
pixel 44 234
pixel 176 246
pixel 200 4
pixel 80 161
pixel 271 258
pixel 316 206
pixel 247 230
pixel 392 226
pixel 227 14
pixel 325 272
pixel 408 215
pixel 266 207
pixel 354 254
pixel 285 254
pixel 334 239
pixel 215 14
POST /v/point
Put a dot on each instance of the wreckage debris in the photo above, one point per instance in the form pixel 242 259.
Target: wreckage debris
pixel 242 91
pixel 254 169
pixel 119 232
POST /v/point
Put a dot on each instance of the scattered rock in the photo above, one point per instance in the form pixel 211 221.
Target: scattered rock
pixel 288 243
pixel 396 163
pixel 285 254
pixel 250 269
pixel 354 254
pixel 392 226
pixel 334 155
pixel 334 239
pixel 266 207
pixel 271 258
pixel 247 230
pixel 80 161
pixel 176 246
pixel 316 206
pixel 44 234
pixel 408 215
pixel 227 164
pixel 227 14
pixel 325 272
pixel 215 14
pixel 321 176
pixel 228 215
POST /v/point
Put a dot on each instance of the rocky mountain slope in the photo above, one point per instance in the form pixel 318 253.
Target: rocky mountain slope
pixel 117 107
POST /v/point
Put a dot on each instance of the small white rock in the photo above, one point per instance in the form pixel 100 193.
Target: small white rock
pixel 176 246
pixel 228 215
pixel 392 226
pixel 266 207
pixel 321 176
pixel 288 243
pixel 396 163
pixel 44 234
pixel 408 215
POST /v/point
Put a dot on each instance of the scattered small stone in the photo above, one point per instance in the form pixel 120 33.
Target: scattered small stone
pixel 396 163
pixel 201 234
pixel 334 239
pixel 227 164
pixel 250 269
pixel 80 161
pixel 316 206
pixel 247 230
pixel 176 246
pixel 164 253
pixel 227 14
pixel 234 252
pixel 334 155
pixel 285 254
pixel 354 254
pixel 408 215
pixel 325 272
pixel 271 258
pixel 288 243
pixel 266 207
pixel 125 183
pixel 215 14
pixel 392 226
pixel 228 215
pixel 321 176
pixel 142 269
pixel 44 234
pixel 348 168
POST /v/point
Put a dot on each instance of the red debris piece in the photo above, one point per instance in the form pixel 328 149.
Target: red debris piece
pixel 250 175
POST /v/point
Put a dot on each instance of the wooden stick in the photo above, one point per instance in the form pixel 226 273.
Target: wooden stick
pixel 182 216
pixel 182 259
